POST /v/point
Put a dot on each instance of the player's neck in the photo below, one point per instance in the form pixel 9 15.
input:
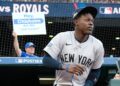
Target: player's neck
pixel 80 37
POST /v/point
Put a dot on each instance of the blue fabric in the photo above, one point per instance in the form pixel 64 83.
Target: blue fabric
pixel 89 83
pixel 48 61
pixel 29 44
pixel 67 67
pixel 93 77
pixel 24 54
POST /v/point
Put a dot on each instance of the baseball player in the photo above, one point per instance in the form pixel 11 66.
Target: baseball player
pixel 29 48
pixel 77 55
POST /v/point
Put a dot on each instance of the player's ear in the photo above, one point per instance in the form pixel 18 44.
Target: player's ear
pixel 75 22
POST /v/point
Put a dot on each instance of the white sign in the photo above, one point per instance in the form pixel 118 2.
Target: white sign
pixel 29 23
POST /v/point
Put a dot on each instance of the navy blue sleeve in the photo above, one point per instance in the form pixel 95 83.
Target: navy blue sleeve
pixel 48 61
pixel 93 77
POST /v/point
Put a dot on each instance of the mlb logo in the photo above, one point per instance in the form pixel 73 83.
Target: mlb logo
pixel 105 10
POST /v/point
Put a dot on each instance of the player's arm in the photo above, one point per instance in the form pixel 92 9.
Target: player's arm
pixel 16 44
pixel 48 61
pixel 96 68
pixel 93 77
pixel 53 49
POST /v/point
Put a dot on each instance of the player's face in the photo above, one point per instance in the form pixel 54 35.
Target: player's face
pixel 30 50
pixel 85 24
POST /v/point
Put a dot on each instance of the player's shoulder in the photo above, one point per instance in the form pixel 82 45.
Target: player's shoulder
pixel 96 41
pixel 65 34
pixel 98 45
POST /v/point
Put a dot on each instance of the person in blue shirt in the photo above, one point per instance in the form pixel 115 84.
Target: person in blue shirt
pixel 29 48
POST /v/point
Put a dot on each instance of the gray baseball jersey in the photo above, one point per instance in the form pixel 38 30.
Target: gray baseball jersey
pixel 67 50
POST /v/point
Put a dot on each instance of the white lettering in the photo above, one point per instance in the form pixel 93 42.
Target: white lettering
pixel 7 9
pixel 31 61
pixel 45 7
pixel 29 7
pixel 34 8
pixel 115 11
pixel 4 8
pixel 119 10
pixel 15 8
pixel 23 8
pixel 39 8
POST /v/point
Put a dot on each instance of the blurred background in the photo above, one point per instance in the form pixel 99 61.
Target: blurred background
pixel 106 27
pixel 68 1
pixel 59 19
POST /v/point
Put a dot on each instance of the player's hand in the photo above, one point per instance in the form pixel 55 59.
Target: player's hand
pixel 75 68
pixel 14 34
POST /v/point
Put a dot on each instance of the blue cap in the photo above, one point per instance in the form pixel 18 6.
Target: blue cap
pixel 88 9
pixel 29 44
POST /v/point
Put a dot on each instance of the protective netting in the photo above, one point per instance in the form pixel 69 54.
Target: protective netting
pixel 107 30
